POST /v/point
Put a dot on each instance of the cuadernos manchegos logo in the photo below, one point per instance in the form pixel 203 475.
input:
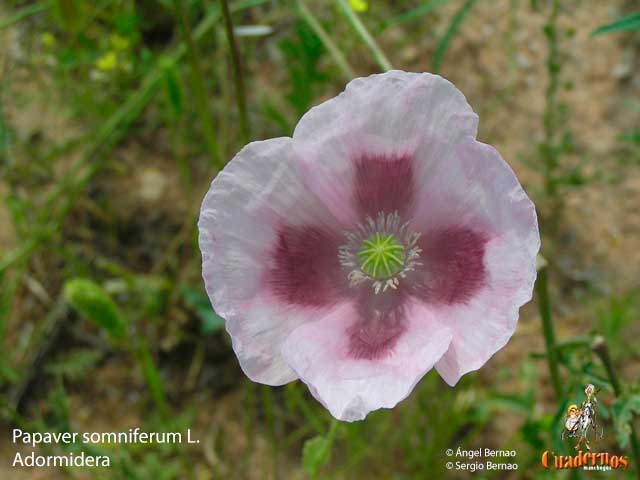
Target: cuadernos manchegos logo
pixel 580 424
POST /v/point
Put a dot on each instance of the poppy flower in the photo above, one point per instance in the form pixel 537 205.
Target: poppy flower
pixel 379 242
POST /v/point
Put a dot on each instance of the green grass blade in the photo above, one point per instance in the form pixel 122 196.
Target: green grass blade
pixel 324 37
pixel 626 24
pixel 450 33
pixel 413 14
pixel 364 34
pixel 26 12
pixel 108 136
pixel 151 375
pixel 197 83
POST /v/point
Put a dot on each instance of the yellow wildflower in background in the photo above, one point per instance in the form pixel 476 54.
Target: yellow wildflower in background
pixel 119 43
pixel 359 5
pixel 48 40
pixel 107 62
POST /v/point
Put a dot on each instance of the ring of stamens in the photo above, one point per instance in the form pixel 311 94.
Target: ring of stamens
pixel 380 252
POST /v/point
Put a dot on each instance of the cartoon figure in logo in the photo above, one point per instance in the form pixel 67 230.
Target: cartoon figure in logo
pixel 579 421
pixel 590 391
pixel 572 418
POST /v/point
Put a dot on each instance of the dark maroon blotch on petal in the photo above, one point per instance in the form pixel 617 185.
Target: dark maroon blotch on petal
pixel 383 183
pixel 453 269
pixel 305 267
pixel 381 322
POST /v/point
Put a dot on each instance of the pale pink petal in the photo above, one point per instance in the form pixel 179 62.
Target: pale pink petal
pixel 269 253
pixel 476 188
pixel 475 202
pixel 350 146
pixel 349 377
pixel 452 265
pixel 485 323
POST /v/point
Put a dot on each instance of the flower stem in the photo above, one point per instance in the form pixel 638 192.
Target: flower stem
pixel 600 348
pixel 198 83
pixel 511 47
pixel 150 373
pixel 241 98
pixel 544 307
pixel 249 405
pixel 550 148
pixel 269 413
pixel 327 447
pixel 550 116
pixel 332 431
pixel 324 37
pixel 331 435
pixel 364 34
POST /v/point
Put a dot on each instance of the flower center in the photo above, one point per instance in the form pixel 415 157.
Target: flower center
pixel 380 252
pixel 381 256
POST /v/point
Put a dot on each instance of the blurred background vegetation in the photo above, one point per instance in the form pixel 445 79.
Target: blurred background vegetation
pixel 116 114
